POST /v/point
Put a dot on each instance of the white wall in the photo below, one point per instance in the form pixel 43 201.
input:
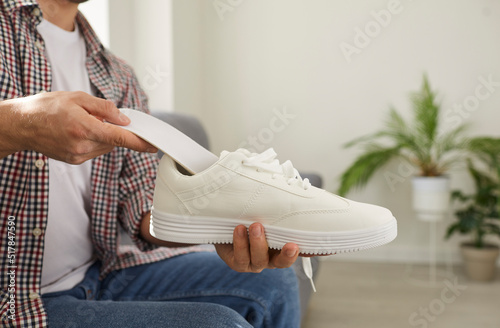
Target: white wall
pixel 188 47
pixel 141 33
pixel 256 56
pixel 153 51
pixel 97 13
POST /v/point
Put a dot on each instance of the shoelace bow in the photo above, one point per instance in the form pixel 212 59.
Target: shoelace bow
pixel 266 161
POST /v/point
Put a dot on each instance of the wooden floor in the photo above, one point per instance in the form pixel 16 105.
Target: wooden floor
pixel 361 295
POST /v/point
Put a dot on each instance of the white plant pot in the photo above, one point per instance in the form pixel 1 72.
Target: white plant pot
pixel 431 197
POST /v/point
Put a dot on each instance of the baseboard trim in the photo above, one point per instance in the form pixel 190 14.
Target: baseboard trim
pixel 400 254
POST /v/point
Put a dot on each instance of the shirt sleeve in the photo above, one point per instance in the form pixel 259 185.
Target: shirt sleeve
pixel 137 182
pixel 138 175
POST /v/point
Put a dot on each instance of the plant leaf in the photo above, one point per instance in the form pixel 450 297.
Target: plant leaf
pixel 426 111
pixel 364 167
pixel 452 229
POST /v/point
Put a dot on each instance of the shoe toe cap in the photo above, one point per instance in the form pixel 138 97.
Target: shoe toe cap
pixel 370 215
pixel 356 216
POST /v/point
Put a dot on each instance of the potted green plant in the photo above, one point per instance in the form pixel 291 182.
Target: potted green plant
pixel 418 141
pixel 479 213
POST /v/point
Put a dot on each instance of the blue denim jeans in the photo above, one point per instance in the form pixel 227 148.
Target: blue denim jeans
pixel 191 290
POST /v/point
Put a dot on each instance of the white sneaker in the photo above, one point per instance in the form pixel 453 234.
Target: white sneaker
pixel 243 188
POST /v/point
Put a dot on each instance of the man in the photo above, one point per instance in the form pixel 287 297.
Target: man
pixel 68 179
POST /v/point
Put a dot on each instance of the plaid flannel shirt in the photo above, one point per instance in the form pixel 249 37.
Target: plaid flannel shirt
pixel 122 180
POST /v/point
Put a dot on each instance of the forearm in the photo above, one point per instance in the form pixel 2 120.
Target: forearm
pixel 146 235
pixel 42 121
pixel 10 128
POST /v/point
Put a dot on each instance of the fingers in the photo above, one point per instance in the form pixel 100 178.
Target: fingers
pixel 115 136
pixel 286 257
pixel 241 248
pixel 105 110
pixel 101 139
pixel 250 252
pixel 259 251
pixel 102 109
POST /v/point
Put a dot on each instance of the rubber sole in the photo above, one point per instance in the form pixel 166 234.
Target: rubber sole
pixel 212 230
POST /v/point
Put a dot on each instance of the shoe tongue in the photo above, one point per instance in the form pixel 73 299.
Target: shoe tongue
pixel 224 153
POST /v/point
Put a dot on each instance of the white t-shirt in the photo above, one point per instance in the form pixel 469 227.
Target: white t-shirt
pixel 68 251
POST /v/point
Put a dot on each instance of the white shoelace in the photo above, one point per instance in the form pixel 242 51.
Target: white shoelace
pixel 308 270
pixel 266 161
